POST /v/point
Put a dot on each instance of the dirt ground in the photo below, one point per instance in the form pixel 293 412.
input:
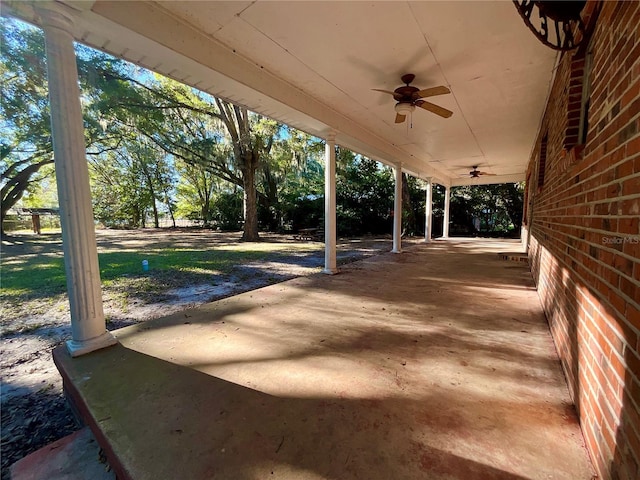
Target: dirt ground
pixel 33 409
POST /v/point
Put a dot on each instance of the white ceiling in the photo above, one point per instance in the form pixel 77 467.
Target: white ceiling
pixel 313 65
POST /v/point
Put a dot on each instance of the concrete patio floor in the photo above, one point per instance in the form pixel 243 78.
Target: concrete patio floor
pixel 433 364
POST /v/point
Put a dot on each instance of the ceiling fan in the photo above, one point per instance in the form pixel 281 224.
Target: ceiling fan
pixel 409 97
pixel 475 173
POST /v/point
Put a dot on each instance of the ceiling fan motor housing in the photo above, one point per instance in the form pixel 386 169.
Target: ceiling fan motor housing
pixel 405 93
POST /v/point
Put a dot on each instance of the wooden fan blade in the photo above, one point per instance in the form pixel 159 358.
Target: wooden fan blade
pixel 400 118
pixel 443 112
pixel 431 92
pixel 395 94
pixel 383 91
pixel 485 173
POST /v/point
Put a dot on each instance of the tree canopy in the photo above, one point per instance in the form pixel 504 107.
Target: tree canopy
pixel 25 147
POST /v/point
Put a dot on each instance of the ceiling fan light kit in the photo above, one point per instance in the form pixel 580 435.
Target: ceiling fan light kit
pixel 405 108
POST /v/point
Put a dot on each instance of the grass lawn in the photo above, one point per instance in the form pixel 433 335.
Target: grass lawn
pixel 43 275
pixel 33 275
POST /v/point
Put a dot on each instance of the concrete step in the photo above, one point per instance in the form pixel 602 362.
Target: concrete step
pixel 74 457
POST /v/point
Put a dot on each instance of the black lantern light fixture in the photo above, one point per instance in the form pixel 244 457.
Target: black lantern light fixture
pixel 555 22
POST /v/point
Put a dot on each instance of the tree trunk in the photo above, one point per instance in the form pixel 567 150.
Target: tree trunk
pixel 205 208
pixel 15 186
pixel 154 207
pixel 143 218
pixel 156 220
pixel 250 230
pixel 173 218
pixel 152 192
pixel 169 207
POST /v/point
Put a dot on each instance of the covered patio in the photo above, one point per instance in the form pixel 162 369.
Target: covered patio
pixel 330 69
pixel 434 364
pixel 437 363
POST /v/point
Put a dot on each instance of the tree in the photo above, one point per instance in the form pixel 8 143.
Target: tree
pixel 364 191
pixel 413 205
pixel 301 188
pixel 155 170
pixel 209 134
pixel 490 209
pixel 195 190
pixel 26 150
pixel 26 147
pixel 223 138
pixel 130 180
pixel 252 137
pixel 512 198
pixel 118 199
pixel 292 173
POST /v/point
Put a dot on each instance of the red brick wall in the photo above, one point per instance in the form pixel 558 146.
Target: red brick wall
pixel 584 244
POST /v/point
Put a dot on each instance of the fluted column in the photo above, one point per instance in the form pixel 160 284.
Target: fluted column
pixel 88 326
pixel 397 210
pixel 330 205
pixel 428 212
pixel 445 221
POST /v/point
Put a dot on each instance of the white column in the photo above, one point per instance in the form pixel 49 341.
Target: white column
pixel 397 211
pixel 88 326
pixel 524 238
pixel 428 212
pixel 445 221
pixel 330 205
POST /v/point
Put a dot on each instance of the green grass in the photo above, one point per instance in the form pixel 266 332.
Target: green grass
pixel 36 275
pixel 44 275
pixel 33 279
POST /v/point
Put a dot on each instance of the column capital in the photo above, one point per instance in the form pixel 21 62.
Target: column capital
pixel 56 15
pixel 331 136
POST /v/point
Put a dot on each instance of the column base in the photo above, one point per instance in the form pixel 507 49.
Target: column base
pixel 77 348
pixel 427 240
pixel 396 250
pixel 330 271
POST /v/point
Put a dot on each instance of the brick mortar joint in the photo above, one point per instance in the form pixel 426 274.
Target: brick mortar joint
pixel 602 299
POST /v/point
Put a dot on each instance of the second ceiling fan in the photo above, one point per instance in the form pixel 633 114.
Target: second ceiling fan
pixel 475 173
pixel 409 97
